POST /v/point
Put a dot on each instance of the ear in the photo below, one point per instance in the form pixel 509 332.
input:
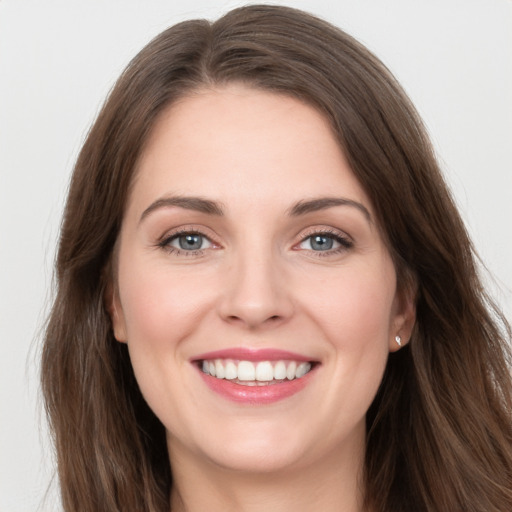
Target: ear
pixel 115 311
pixel 404 318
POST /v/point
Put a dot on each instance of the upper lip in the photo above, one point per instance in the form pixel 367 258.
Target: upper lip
pixel 252 354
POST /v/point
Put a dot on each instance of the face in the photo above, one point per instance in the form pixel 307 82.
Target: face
pixel 254 290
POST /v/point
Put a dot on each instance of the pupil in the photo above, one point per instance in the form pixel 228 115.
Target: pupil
pixel 191 242
pixel 321 243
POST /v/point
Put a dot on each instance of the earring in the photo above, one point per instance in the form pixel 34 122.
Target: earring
pixel 398 340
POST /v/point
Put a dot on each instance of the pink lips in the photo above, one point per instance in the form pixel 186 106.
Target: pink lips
pixel 247 354
pixel 254 395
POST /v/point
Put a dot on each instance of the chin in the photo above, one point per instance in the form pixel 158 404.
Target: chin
pixel 265 459
pixel 254 448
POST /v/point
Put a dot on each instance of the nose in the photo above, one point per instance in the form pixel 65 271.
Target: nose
pixel 256 292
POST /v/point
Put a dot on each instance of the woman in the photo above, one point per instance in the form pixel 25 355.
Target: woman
pixel 266 297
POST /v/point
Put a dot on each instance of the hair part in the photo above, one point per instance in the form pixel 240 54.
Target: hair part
pixel 439 429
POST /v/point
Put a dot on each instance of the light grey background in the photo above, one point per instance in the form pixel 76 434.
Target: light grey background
pixel 58 60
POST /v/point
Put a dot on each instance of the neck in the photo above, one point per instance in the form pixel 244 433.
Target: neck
pixel 333 484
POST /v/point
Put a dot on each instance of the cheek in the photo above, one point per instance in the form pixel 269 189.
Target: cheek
pixel 356 318
pixel 160 306
pixel 355 307
pixel 161 310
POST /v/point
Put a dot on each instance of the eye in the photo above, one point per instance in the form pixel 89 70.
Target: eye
pixel 189 242
pixel 318 243
pixel 325 242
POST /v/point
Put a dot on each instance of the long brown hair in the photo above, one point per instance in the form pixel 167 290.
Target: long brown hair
pixel 439 431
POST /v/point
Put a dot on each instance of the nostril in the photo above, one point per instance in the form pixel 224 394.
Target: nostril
pixel 236 318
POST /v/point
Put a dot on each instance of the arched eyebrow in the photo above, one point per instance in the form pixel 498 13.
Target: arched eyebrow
pixel 198 204
pixel 210 207
pixel 322 203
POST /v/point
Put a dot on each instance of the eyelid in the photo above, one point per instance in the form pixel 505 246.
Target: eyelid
pixel 164 240
pixel 324 230
pixel 345 240
pixel 176 238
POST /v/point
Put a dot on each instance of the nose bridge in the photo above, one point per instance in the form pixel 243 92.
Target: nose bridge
pixel 255 291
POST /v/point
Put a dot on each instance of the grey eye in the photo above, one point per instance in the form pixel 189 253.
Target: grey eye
pixel 190 242
pixel 321 243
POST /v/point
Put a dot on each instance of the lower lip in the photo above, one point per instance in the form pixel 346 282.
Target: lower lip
pixel 256 395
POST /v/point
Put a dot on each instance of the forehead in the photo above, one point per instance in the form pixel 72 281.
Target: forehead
pixel 243 145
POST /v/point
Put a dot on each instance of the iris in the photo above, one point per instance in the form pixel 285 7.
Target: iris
pixel 321 243
pixel 190 242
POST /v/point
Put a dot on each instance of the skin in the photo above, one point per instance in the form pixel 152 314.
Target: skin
pixel 257 282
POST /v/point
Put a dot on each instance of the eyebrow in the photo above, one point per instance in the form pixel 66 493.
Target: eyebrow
pixel 323 203
pixel 198 204
pixel 210 207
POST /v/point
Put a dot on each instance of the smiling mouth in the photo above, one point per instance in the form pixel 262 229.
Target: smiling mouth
pixel 255 373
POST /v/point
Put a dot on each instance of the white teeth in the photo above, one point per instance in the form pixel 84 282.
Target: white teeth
pixel 290 371
pixel 246 371
pixel 231 370
pixel 302 369
pixel 220 372
pixel 264 371
pixel 280 371
pixel 250 373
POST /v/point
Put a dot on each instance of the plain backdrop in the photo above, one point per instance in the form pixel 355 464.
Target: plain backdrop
pixel 59 59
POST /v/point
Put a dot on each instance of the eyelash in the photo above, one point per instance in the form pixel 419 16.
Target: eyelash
pixel 344 242
pixel 165 241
